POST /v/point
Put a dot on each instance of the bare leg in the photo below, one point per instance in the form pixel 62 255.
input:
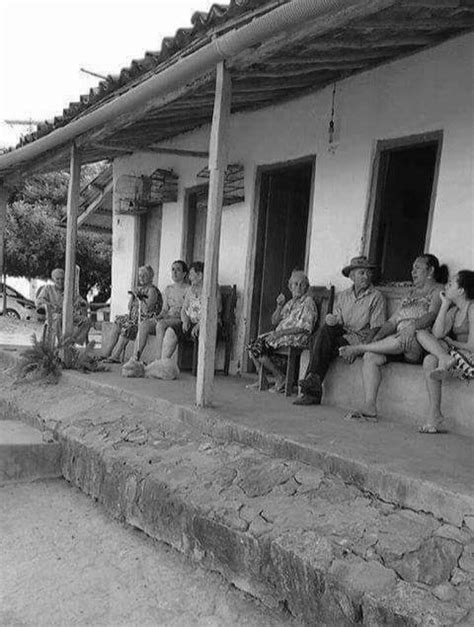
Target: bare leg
pixel 435 417
pixel 161 327
pixel 372 377
pixel 119 348
pixel 267 363
pixel 390 345
pixel 113 341
pixel 145 328
pixel 435 347
pixel 170 342
pixel 258 367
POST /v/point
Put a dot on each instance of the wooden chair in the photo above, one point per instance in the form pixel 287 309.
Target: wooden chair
pixel 188 351
pixel 324 301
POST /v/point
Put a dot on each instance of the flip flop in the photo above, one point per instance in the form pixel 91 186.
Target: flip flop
pixel 253 386
pixel 439 374
pixel 277 388
pixel 431 430
pixel 355 414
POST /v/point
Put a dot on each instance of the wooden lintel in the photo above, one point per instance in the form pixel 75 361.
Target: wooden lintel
pixel 218 155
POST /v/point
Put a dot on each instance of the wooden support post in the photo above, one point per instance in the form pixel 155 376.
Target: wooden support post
pixel 71 239
pixel 217 165
pixel 3 219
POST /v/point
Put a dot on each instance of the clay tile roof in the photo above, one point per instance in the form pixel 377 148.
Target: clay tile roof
pixel 201 23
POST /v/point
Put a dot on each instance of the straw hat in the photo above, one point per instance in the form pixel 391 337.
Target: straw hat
pixel 358 262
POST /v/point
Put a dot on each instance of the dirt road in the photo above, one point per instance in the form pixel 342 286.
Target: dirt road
pixel 63 562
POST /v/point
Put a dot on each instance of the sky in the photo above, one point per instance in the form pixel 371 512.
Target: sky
pixel 43 45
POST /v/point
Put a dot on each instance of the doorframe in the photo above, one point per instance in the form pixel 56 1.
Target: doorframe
pixel 383 145
pixel 252 248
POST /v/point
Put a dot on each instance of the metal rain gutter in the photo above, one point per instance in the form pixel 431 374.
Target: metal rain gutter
pixel 189 68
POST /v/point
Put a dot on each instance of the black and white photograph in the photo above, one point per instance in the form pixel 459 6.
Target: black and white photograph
pixel 236 313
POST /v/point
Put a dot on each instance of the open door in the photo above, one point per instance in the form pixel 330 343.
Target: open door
pixel 285 194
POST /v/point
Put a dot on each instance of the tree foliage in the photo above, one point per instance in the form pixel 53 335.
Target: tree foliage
pixel 35 243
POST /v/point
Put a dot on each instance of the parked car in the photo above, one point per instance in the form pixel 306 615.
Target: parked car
pixel 18 306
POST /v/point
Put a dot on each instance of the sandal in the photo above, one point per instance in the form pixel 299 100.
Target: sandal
pixel 431 429
pixel 439 374
pixel 355 414
pixel 253 386
pixel 110 360
pixel 277 388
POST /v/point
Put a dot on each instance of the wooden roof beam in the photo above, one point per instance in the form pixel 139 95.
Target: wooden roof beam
pixel 438 4
pixel 181 152
pixel 413 24
pixel 94 205
pixel 418 40
pixel 310 70
pixel 349 56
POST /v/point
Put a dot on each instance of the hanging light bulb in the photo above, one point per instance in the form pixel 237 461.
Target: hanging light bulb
pixel 331 128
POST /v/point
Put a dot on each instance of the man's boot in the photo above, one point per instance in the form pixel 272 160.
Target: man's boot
pixel 311 391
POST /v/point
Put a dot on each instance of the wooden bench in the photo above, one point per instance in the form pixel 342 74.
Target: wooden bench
pixel 324 300
pixel 188 351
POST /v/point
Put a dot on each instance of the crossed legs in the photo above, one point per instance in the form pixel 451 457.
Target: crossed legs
pixel 438 360
pixel 374 356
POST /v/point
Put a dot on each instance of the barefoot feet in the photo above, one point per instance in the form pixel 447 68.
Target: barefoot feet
pixel 349 353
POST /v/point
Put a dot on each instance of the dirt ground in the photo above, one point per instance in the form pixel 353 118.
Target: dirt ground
pixel 64 562
pixel 19 332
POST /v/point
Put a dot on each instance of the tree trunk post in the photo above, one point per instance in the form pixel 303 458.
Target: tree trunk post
pixel 3 220
pixel 218 149
pixel 71 240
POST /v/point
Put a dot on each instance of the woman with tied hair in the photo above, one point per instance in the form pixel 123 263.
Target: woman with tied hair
pixel 450 344
pixel 190 315
pixel 294 321
pixel 397 338
pixel 146 299
pixel 170 314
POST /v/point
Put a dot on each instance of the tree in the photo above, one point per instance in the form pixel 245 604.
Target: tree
pixel 35 242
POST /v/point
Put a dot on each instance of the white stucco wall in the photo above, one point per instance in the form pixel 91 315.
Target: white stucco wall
pixel 430 91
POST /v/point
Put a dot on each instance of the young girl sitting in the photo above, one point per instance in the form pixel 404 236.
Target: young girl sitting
pixel 450 343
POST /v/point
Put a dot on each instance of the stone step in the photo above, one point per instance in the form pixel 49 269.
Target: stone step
pixel 25 455
pixel 288 532
pixel 433 475
pixel 282 530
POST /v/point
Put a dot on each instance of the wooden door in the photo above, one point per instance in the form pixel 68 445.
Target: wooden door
pixel 281 237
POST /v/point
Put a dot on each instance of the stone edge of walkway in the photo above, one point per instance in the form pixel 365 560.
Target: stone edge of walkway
pixel 275 570
pixel 348 592
pixel 413 493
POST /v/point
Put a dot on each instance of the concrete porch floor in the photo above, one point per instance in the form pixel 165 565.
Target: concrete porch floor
pixel 252 488
pixel 431 473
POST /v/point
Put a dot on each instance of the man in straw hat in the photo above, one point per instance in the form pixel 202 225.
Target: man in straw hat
pixel 358 313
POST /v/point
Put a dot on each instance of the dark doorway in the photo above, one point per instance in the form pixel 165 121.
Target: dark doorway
pixel 195 225
pixel 281 237
pixel 402 208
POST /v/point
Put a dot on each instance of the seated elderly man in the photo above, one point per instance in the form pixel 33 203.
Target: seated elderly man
pixel 49 300
pixel 358 313
pixel 294 322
